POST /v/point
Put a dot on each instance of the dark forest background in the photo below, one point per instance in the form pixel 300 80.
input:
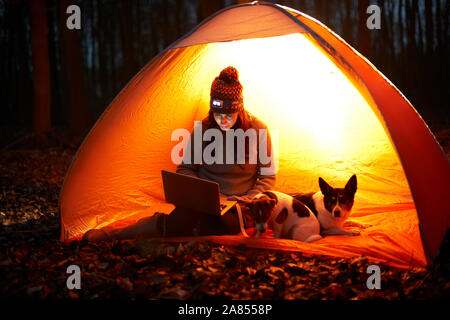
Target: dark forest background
pixel 53 78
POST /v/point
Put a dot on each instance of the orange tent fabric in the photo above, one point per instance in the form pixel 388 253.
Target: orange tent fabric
pixel 330 112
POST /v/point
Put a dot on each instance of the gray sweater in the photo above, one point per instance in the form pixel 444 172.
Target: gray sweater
pixel 244 180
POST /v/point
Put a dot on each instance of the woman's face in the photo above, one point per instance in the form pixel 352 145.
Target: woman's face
pixel 225 121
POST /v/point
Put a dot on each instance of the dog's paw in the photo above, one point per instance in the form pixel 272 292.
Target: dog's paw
pixel 354 224
pixel 353 233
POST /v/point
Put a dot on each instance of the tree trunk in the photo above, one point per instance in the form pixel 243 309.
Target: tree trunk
pixel 438 23
pixel 41 66
pixel 318 10
pixel 363 31
pixel 326 12
pixel 347 23
pixel 208 7
pixel 386 36
pixel 166 32
pixel 420 29
pixel 155 35
pixel 58 117
pixel 446 26
pixel 129 65
pixel 140 35
pixel 429 26
pixel 15 59
pixel 95 57
pixel 429 55
pixel 302 5
pixel 390 34
pixel 179 18
pixel 400 26
pixel 76 98
pixel 104 76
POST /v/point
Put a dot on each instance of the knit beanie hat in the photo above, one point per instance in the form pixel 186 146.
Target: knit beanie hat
pixel 226 92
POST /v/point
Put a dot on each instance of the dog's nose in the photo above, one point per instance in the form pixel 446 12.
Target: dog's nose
pixel 337 213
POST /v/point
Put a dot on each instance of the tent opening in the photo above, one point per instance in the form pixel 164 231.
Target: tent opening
pixel 320 124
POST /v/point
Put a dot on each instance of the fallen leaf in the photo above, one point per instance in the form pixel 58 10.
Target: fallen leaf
pixel 125 284
pixel 34 289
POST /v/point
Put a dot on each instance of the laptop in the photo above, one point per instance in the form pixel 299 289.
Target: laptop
pixel 194 193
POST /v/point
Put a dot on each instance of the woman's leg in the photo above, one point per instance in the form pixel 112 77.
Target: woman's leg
pixel 180 222
pixel 229 223
pixel 146 227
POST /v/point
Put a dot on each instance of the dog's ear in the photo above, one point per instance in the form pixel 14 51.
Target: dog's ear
pixel 351 185
pixel 324 187
pixel 272 202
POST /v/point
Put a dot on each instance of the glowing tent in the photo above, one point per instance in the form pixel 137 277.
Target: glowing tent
pixel 330 111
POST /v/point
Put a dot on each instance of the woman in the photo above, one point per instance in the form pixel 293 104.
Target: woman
pixel 236 180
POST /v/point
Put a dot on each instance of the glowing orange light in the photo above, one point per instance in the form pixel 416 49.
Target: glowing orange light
pixel 324 125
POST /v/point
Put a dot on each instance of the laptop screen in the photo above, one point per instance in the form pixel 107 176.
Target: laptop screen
pixel 191 192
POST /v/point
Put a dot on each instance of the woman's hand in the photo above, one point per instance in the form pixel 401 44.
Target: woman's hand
pixel 236 198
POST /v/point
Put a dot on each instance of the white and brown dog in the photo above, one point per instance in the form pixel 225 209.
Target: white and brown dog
pixel 332 206
pixel 288 217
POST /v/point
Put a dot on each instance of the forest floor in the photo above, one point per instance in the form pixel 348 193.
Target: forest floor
pixel 33 261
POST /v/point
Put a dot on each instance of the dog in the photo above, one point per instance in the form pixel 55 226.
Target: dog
pixel 288 217
pixel 332 206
